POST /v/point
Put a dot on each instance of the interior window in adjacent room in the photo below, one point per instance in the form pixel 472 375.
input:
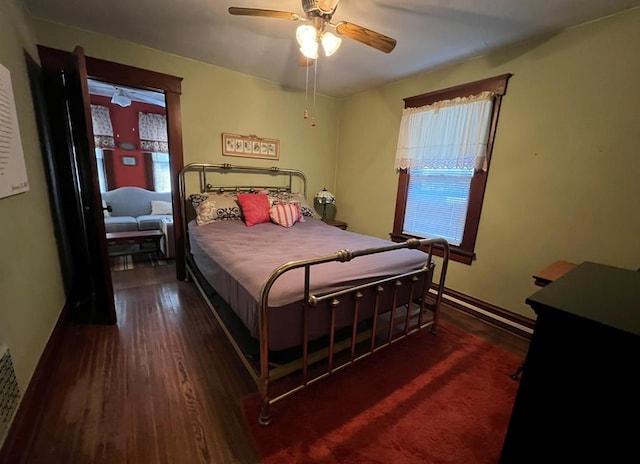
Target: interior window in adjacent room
pixel 443 157
pixel 100 165
pixel 161 172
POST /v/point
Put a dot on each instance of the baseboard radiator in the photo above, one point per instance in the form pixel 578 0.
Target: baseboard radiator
pixel 491 314
pixel 9 392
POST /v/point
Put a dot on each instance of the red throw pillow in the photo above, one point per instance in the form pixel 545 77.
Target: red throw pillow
pixel 285 215
pixel 255 208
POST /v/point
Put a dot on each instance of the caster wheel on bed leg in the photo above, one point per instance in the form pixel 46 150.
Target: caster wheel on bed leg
pixel 264 419
pixel 265 412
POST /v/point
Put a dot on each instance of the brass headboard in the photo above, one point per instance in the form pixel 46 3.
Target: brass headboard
pixel 210 181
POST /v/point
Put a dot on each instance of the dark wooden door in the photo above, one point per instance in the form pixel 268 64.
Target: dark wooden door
pixel 59 77
pixel 103 308
pixel 90 291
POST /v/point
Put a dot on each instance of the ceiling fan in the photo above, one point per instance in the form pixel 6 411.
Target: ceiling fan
pixel 318 15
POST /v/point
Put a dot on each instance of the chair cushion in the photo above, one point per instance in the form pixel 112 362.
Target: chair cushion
pixel 120 224
pixel 150 221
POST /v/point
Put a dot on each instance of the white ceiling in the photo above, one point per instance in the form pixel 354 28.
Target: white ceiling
pixel 429 33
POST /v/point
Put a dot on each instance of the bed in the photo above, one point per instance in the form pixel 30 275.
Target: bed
pixel 302 300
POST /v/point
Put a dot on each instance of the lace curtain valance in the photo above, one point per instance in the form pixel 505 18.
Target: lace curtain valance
pixel 152 129
pixel 102 128
pixel 450 134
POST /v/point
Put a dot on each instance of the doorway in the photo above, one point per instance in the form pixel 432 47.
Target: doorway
pixel 133 166
pixel 55 63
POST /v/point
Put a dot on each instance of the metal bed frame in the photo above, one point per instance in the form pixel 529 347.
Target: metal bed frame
pixel 415 308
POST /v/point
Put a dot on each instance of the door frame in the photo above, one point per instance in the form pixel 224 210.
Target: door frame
pixel 171 86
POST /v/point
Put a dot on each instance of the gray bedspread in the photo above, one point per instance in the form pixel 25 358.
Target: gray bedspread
pixel 248 255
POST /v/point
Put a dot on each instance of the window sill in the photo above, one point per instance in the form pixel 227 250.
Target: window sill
pixel 456 254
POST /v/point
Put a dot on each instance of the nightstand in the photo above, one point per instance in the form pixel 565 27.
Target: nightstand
pixel 336 223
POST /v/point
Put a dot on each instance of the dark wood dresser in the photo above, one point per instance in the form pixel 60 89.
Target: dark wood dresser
pixel 579 394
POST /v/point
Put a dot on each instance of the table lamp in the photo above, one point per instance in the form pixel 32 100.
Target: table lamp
pixel 324 197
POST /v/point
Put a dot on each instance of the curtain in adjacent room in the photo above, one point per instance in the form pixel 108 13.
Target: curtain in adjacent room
pixel 102 128
pixel 153 132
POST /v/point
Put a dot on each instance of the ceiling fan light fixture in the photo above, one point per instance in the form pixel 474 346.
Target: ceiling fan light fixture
pixel 310 50
pixel 307 37
pixel 306 34
pixel 121 98
pixel 330 43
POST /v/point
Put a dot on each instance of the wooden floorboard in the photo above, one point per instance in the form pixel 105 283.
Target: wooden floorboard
pixel 163 385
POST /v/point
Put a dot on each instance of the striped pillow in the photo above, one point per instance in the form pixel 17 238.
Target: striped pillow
pixel 285 215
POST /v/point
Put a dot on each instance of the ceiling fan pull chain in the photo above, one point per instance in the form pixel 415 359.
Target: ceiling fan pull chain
pixel 306 93
pixel 315 75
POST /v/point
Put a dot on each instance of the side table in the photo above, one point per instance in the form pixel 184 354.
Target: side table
pixel 335 223
pixel 134 237
pixel 552 272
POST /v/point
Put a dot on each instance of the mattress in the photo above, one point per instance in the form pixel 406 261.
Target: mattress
pixel 237 260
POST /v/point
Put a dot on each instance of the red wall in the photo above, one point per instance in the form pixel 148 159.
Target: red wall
pixel 125 129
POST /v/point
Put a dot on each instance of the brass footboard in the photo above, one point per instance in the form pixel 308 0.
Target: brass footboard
pixel 419 282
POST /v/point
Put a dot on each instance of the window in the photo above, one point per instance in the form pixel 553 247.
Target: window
pixel 444 152
pixel 161 172
pixel 102 174
pixel 444 194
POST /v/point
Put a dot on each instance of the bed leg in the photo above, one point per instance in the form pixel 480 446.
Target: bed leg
pixel 265 412
pixel 265 409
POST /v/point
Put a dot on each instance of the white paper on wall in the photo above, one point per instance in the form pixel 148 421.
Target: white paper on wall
pixel 13 172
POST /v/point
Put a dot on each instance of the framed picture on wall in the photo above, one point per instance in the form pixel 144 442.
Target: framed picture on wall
pixel 250 146
pixel 129 160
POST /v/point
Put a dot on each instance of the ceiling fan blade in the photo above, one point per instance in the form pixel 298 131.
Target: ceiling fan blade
pixel 264 13
pixel 366 36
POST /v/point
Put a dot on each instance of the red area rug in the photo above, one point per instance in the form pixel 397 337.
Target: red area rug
pixel 444 398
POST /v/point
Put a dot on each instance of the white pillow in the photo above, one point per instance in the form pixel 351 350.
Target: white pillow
pixel 104 209
pixel 161 207
pixel 207 212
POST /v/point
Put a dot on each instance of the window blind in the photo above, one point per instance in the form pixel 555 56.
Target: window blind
pixel 437 202
pixel 161 172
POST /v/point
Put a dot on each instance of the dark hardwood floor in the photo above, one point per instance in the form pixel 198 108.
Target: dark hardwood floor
pixel 163 386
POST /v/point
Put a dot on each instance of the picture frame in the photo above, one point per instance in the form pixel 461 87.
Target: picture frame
pixel 250 146
pixel 129 160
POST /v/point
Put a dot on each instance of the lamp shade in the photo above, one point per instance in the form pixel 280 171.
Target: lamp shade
pixel 324 197
pixel 307 37
pixel 330 43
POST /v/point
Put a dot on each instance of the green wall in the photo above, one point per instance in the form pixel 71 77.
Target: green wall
pixel 563 181
pixel 31 289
